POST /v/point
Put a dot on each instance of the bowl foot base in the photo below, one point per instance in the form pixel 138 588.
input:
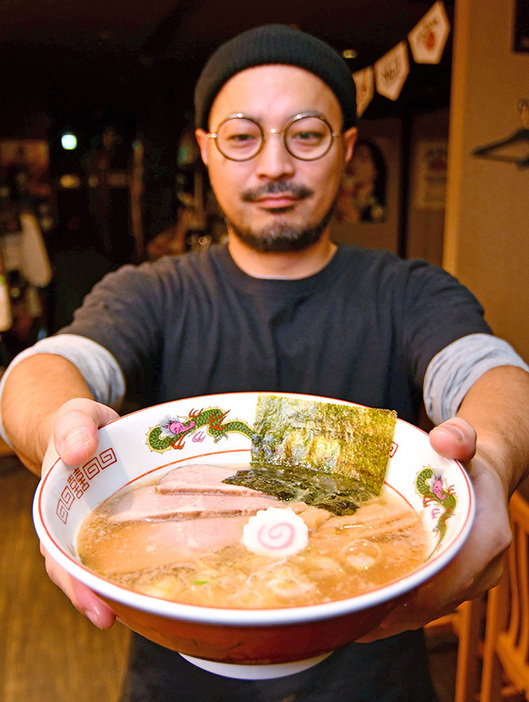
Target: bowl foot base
pixel 255 672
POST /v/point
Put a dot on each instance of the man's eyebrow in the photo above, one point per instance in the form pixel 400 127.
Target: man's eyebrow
pixel 248 115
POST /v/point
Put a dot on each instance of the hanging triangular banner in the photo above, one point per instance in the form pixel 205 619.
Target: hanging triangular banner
pixel 391 71
pixel 428 37
pixel 365 88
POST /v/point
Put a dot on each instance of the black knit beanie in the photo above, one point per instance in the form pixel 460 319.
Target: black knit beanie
pixel 273 44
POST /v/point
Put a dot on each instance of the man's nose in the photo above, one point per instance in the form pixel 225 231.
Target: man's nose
pixel 274 161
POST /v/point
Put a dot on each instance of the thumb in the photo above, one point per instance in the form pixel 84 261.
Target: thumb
pixel 455 438
pixel 75 435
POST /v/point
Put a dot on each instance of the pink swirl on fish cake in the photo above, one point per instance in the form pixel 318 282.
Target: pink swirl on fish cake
pixel 277 532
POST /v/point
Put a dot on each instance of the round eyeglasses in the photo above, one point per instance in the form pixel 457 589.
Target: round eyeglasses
pixel 306 137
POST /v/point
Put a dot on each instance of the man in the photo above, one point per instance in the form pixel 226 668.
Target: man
pixel 283 308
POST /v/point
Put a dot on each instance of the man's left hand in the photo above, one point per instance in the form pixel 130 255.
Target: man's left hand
pixel 479 564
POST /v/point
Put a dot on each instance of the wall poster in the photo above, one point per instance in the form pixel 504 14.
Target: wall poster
pixel 362 196
pixel 431 159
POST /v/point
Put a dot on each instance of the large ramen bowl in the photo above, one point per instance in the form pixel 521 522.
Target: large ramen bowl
pixel 248 643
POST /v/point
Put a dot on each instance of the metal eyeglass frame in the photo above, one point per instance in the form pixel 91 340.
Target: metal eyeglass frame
pixel 282 132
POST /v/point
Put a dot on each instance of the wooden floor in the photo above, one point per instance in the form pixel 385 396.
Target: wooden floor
pixel 48 651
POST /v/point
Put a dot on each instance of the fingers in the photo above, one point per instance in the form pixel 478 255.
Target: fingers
pixel 75 432
pixel 455 438
pixel 430 602
pixel 83 599
pixel 476 568
pixel 74 440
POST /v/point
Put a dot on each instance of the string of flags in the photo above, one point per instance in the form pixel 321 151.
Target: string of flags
pixel 426 40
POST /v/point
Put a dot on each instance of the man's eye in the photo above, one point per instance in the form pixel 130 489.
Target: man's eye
pixel 241 138
pixel 306 137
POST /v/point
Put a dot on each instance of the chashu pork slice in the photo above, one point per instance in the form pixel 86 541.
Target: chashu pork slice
pixel 144 545
pixel 203 478
pixel 148 504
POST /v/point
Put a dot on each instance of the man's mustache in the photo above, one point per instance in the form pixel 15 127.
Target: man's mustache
pixel 298 191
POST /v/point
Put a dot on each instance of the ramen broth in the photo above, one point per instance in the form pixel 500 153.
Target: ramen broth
pixel 163 556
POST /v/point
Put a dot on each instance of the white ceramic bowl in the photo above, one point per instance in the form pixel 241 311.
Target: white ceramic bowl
pixel 242 643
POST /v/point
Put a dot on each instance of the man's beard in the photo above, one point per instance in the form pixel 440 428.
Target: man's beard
pixel 280 237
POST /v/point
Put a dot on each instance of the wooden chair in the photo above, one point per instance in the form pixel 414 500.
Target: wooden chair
pixel 467 623
pixel 506 646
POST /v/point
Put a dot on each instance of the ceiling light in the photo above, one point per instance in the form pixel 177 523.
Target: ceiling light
pixel 69 141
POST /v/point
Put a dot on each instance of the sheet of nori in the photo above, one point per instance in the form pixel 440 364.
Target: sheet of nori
pixel 333 492
pixel 324 436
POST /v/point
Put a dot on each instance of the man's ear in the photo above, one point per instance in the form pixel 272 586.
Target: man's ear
pixel 349 140
pixel 202 139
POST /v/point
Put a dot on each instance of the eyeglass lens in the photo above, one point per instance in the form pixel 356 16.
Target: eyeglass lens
pixel 306 138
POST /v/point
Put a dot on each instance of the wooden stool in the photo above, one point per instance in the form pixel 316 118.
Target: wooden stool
pixel 506 647
pixel 467 622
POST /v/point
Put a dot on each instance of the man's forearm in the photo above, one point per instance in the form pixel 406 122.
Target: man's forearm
pixel 34 390
pixel 497 405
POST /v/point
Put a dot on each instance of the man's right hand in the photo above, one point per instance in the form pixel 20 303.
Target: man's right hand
pixel 75 440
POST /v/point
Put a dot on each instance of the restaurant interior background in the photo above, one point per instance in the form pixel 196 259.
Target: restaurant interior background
pixel 119 74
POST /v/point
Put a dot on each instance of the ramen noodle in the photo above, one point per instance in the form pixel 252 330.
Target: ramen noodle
pixel 183 538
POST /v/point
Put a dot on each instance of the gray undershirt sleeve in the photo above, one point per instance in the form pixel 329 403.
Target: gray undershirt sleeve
pixel 453 371
pixel 449 375
pixel 98 367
